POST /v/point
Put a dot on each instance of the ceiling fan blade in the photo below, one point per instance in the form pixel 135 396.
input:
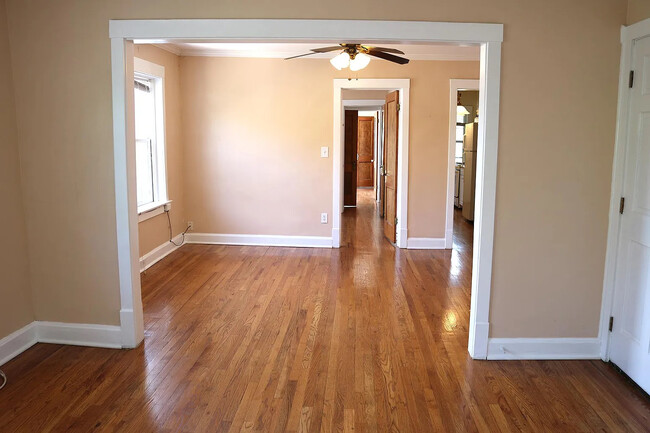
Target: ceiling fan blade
pixel 385 50
pixel 327 49
pixel 389 57
pixel 299 55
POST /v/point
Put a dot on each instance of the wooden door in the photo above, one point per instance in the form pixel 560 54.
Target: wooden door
pixel 350 166
pixel 382 177
pixel 366 152
pixel 390 165
pixel 630 339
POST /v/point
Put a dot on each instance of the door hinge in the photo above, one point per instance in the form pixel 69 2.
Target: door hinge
pixel 621 206
pixel 399 106
pixel 611 323
pixel 631 79
pixel 396 221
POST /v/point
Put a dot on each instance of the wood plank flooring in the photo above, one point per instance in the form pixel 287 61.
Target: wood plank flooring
pixel 360 339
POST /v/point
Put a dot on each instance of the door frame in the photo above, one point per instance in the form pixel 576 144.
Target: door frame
pixel 454 86
pixel 340 84
pixel 628 35
pixel 122 34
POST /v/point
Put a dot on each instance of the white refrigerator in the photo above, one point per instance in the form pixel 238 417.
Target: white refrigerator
pixel 469 158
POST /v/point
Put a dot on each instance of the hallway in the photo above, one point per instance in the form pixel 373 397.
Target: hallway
pixel 366 338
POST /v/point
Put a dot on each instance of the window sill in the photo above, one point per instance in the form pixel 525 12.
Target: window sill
pixel 151 210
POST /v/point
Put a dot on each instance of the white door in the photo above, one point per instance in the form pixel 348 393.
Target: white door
pixel 630 339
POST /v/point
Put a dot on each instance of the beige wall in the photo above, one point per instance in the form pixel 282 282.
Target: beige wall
pixel 553 178
pixel 155 231
pixel 352 94
pixel 637 10
pixel 15 297
pixel 253 160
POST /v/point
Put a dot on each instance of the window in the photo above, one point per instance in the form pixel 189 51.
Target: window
pixel 460 134
pixel 149 136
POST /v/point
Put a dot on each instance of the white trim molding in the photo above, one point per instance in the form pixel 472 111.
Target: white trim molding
pixel 488 36
pixel 160 252
pixel 76 334
pixel 454 86
pixel 543 348
pixel 628 35
pixel 426 244
pixel 17 342
pixel 259 240
pixel 403 85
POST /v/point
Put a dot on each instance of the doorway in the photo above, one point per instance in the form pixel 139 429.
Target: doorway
pixel 462 180
pixel 347 109
pixel 488 36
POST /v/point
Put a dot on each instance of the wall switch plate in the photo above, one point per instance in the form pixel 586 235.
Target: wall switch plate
pixel 323 218
pixel 324 152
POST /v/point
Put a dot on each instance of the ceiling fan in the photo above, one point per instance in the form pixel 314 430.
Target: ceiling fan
pixel 357 56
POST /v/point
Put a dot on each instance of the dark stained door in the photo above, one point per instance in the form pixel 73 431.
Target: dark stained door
pixel 382 178
pixel 390 166
pixel 350 165
pixel 366 152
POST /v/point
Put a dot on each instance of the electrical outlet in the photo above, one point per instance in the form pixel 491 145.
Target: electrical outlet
pixel 323 218
pixel 190 225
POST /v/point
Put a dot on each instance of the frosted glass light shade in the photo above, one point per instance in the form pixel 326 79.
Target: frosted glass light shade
pixel 341 61
pixel 359 62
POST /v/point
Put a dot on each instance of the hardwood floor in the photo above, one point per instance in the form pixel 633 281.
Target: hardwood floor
pixel 365 338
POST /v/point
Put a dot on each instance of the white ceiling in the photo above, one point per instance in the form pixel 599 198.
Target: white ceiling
pixel 283 50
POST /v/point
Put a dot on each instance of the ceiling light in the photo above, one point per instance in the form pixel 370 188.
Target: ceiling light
pixel 359 62
pixel 341 61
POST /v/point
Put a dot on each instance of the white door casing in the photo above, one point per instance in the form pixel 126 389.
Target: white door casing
pixel 488 36
pixel 630 337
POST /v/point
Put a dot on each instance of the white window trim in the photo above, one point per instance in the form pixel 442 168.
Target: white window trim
pixel 151 210
pixel 155 72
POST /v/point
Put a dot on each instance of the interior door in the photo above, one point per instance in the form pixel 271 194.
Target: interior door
pixel 390 166
pixel 366 152
pixel 382 177
pixel 630 338
pixel 350 164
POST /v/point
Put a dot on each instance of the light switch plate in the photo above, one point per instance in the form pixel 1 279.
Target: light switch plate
pixel 324 152
pixel 323 218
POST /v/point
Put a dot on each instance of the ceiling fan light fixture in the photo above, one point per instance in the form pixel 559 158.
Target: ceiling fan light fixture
pixel 341 61
pixel 359 62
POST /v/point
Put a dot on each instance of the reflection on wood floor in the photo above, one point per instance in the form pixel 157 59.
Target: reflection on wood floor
pixel 365 338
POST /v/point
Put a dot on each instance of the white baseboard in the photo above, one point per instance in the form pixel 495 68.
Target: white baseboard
pixel 159 253
pixel 259 240
pixel 336 238
pixel 76 334
pixel 426 244
pixel 543 348
pixel 17 342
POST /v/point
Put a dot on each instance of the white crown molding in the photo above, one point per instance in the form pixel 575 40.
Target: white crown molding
pixel 460 56
pixel 543 348
pixel 159 253
pixel 171 48
pixel 259 240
